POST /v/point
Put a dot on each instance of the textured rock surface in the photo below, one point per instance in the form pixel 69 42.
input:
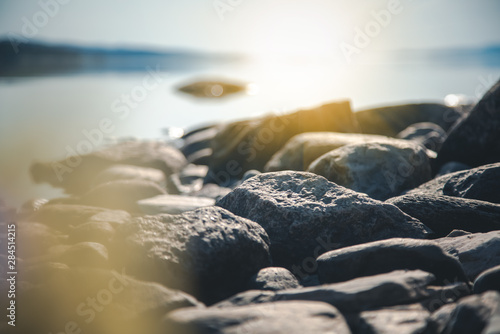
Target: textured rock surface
pixel 391 120
pixel 305 215
pixel 381 170
pixel 388 255
pixel 274 279
pixel 482 183
pixel 488 280
pixel 208 252
pixel 395 288
pixel 427 134
pixel 477 252
pixel 121 194
pixel 173 204
pixel 249 144
pixel 298 153
pixel 475 140
pixel 296 317
pixel 75 173
pixel 443 214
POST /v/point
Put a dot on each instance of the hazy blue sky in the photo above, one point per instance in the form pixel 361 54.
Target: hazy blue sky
pixel 262 26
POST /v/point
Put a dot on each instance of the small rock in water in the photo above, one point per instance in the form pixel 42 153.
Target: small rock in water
pixel 211 89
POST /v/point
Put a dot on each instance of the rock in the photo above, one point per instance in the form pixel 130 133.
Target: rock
pixel 121 195
pixel 249 144
pixel 493 326
pixel 95 301
pixel 473 313
pixel 208 252
pixel 173 204
pixel 440 318
pixel 488 280
pixel 75 173
pixel 280 317
pixel 406 319
pixel 357 295
pixel 452 167
pixel 274 279
pixel 93 231
pixel 306 215
pixel 86 254
pixel 391 120
pixel 443 214
pixel 199 140
pixel 33 239
pixel 189 180
pixel 426 134
pixel 130 172
pixel 381 170
pixel 386 256
pixel 481 183
pixel 298 153
pixel 63 216
pixel 458 233
pixel 211 89
pixel 201 157
pixel 475 140
pixel 477 252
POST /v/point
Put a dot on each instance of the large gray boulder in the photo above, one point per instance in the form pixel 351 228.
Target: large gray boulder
pixel 481 183
pixel 475 140
pixel 209 252
pixel 292 317
pixel 298 153
pixel 305 215
pixel 388 255
pixel 380 169
pixel 443 214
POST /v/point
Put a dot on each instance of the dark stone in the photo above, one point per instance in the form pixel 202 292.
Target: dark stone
pixel 208 252
pixel 292 317
pixel 201 157
pixel 426 134
pixel 482 183
pixel 391 120
pixel 388 255
pixel 122 194
pixel 365 293
pixel 198 141
pixel 443 214
pixel 380 169
pixel 75 173
pixel 473 313
pixel 249 144
pixel 475 140
pixel 488 280
pixel 305 215
pixel 477 252
pixel 274 279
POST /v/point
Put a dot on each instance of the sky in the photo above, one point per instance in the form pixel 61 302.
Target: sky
pixel 255 26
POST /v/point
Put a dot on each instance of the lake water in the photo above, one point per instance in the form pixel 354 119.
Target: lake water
pixel 44 118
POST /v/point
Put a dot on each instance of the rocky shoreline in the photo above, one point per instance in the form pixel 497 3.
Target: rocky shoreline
pixel 323 220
